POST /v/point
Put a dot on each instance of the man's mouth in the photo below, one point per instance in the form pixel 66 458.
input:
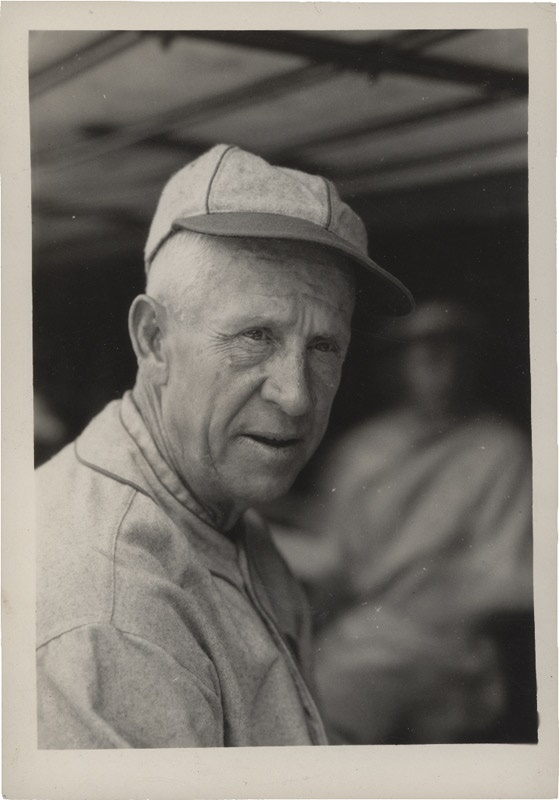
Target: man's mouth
pixel 279 442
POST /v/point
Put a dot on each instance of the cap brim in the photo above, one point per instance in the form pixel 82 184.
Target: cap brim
pixel 379 292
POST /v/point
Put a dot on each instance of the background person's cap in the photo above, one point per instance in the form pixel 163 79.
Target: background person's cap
pixel 437 319
pixel 229 192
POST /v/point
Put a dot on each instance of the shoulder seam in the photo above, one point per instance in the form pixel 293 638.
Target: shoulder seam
pixel 134 636
pixel 124 513
pixel 107 473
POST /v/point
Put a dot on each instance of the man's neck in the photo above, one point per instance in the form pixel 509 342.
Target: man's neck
pixel 222 516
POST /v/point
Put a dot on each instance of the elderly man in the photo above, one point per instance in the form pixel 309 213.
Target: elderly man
pixel 165 616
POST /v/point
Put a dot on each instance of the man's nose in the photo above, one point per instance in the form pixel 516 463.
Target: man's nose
pixel 287 385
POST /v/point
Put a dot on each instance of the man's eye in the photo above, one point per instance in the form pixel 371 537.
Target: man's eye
pixel 326 347
pixel 256 334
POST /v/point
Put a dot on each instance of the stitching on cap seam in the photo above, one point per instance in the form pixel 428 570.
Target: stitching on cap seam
pixel 329 201
pixel 210 184
pixel 157 248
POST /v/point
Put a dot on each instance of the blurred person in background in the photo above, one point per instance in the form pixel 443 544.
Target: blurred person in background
pixel 49 431
pixel 422 558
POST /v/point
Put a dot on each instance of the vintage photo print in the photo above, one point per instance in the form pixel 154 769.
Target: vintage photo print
pixel 279 400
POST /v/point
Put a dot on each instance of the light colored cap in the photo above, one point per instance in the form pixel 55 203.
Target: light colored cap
pixel 231 193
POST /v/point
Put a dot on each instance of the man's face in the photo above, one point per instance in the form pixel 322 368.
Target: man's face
pixel 254 364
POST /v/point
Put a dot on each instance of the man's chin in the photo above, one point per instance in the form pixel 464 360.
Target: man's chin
pixel 261 492
pixel 255 479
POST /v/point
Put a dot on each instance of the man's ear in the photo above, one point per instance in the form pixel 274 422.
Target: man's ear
pixel 146 326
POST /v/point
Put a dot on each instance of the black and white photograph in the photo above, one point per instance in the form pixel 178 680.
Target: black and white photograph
pixel 284 448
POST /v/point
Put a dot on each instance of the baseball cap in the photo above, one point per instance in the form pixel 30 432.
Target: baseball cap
pixel 229 192
pixel 437 319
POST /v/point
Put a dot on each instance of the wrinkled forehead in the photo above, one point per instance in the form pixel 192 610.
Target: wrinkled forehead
pixel 208 260
pixel 194 273
pixel 282 264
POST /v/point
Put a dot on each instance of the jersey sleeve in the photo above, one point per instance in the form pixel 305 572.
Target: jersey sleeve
pixel 99 687
pixel 502 545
